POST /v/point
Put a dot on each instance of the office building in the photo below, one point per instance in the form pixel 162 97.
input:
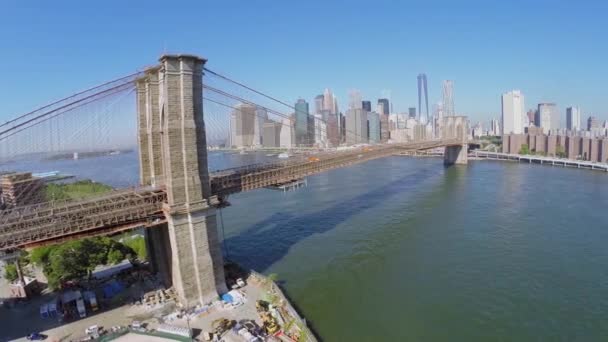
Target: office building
pixel 356 126
pixel 242 125
pixel 448 97
pixel 374 127
pixel 366 105
pixel 320 126
pixel 513 114
pixel 573 118
pixel 385 106
pixel 423 92
pixel 384 128
pixel 258 126
pixel 531 117
pixel 495 127
pixel 319 103
pixel 412 112
pixel 272 134
pixel 288 134
pixel 304 124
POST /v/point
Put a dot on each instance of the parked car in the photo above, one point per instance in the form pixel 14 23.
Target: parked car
pixel 36 337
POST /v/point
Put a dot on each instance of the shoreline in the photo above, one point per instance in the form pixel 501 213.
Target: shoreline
pixel 519 158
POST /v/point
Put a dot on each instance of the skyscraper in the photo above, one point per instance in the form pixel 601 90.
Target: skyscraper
pixel 356 126
pixel 547 117
pixel 422 90
pixel 303 124
pixel 258 126
pixel 242 125
pixel 573 118
pixel 366 105
pixel 531 116
pixel 513 114
pixel 447 87
pixel 593 123
pixel 328 101
pixel 385 106
pixel 319 103
pixel 495 127
pixel 412 112
pixel 373 120
pixel 355 101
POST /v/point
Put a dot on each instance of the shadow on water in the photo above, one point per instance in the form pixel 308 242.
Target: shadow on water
pixel 279 232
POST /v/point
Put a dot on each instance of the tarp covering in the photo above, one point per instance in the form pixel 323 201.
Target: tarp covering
pixel 112 288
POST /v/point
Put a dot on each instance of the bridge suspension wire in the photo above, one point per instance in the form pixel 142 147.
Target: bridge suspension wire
pixel 127 77
pixel 274 99
pixel 61 110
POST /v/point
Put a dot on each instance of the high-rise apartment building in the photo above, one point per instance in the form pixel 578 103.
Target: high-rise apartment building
pixel 423 92
pixel 547 117
pixel 513 113
pixel 573 118
pixel 531 117
pixel 593 123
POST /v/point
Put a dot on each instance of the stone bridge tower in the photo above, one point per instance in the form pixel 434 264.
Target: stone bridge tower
pixel 173 153
pixel 455 127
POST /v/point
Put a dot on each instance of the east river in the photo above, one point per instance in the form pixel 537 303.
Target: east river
pixel 403 249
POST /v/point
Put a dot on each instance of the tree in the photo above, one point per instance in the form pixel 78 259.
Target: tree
pixel 10 272
pixel 138 245
pixel 525 149
pixel 560 152
pixel 77 259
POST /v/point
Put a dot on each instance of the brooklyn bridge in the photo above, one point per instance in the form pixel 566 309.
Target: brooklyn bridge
pixel 177 196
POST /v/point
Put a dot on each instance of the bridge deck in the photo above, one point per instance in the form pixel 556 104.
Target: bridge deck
pixel 53 221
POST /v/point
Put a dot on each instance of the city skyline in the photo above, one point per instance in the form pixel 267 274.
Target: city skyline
pixel 482 73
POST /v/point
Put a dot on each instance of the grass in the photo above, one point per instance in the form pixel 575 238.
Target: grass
pixel 75 191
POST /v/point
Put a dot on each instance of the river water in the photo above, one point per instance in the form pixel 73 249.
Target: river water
pixel 403 249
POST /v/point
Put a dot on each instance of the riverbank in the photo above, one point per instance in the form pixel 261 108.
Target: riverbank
pixel 238 306
pixel 531 159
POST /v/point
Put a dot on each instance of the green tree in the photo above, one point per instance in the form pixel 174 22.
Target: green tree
pixel 560 152
pixel 525 149
pixel 10 272
pixel 138 245
pixel 77 259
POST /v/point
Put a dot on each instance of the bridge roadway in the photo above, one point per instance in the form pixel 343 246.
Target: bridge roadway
pixel 58 221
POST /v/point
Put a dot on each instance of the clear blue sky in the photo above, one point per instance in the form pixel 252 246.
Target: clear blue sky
pixel 551 50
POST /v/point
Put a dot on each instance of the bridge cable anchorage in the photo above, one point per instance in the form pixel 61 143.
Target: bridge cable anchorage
pixel 283 103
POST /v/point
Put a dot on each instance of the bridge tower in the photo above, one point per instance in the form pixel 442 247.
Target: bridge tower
pixel 455 127
pixel 173 153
